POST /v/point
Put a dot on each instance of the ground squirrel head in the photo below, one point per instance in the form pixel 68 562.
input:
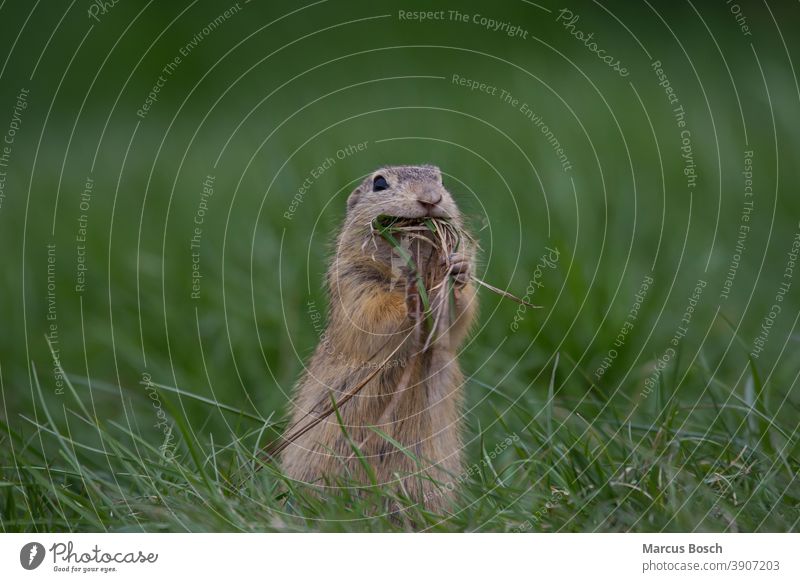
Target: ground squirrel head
pixel 414 192
pixel 404 192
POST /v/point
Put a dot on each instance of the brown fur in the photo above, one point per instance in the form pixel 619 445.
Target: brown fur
pixel 415 397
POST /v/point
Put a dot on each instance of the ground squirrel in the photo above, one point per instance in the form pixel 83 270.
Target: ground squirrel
pixel 414 391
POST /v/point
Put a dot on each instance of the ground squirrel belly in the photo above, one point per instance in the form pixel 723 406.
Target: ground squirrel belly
pixel 415 396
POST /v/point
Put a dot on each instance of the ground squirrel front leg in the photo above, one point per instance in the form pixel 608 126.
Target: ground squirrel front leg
pixel 461 269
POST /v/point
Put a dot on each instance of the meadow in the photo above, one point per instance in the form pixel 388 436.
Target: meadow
pixel 177 174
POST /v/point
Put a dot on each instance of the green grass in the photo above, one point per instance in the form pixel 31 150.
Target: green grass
pixel 709 444
pixel 535 464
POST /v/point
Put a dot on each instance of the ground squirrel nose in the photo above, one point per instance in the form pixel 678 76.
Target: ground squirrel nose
pixel 429 197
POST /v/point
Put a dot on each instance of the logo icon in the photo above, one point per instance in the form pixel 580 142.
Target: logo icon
pixel 31 555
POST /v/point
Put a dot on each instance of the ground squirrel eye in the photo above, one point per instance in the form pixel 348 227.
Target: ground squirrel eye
pixel 379 183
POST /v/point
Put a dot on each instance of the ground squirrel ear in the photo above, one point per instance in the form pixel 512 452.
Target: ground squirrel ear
pixel 353 199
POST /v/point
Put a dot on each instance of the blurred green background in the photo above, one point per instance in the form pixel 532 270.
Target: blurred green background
pixel 264 94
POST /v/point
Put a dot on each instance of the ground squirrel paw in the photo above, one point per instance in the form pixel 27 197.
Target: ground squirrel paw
pixel 460 269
